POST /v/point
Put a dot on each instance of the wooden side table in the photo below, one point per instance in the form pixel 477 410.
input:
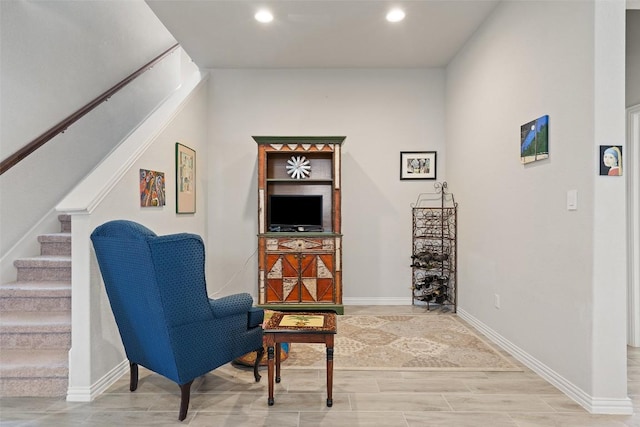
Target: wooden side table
pixel 299 327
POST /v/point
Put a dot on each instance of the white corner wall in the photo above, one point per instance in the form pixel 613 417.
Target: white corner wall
pixel 559 274
pixel 381 113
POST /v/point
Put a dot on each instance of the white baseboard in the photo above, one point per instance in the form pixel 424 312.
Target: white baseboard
pixel 377 301
pixel 87 394
pixel 592 404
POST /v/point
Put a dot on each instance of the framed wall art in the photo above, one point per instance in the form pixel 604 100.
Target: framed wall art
pixel 611 160
pixel 185 179
pixel 152 188
pixel 534 140
pixel 418 165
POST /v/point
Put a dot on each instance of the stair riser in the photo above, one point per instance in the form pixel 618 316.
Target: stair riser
pixel 44 274
pixel 36 340
pixel 55 248
pixel 35 304
pixel 65 224
pixel 34 387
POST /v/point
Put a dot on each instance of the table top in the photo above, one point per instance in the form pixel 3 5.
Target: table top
pixel 302 322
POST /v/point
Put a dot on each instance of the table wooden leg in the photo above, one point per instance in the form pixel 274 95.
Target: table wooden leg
pixel 278 357
pixel 330 373
pixel 270 352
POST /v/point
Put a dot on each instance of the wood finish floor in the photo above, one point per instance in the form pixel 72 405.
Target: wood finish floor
pixel 229 397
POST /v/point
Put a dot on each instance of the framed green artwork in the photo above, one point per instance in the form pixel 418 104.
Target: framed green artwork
pixel 534 140
pixel 185 179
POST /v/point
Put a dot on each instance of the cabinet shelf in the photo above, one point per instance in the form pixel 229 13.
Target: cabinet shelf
pixel 299 181
pixel 300 234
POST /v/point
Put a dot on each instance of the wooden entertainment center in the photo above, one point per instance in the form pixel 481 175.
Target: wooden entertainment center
pixel 300 252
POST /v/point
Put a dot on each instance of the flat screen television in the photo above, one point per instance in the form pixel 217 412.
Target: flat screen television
pixel 295 212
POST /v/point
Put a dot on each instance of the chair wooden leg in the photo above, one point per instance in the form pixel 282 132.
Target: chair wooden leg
pixel 185 393
pixel 133 382
pixel 256 364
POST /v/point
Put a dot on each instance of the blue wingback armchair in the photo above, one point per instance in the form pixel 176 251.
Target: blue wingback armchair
pixel 157 291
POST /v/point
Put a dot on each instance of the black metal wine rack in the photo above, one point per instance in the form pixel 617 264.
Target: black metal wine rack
pixel 434 245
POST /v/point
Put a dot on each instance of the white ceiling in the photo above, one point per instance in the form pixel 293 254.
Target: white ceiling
pixel 321 33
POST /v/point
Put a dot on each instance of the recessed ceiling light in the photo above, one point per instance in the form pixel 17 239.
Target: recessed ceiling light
pixel 263 16
pixel 395 15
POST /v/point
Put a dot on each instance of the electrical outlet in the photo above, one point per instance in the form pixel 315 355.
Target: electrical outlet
pixel 496 300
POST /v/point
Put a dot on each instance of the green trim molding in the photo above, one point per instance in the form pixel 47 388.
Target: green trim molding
pixel 299 139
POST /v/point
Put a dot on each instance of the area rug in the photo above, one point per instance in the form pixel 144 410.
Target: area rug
pixel 403 342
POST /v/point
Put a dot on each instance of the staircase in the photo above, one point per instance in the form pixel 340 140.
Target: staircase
pixel 35 320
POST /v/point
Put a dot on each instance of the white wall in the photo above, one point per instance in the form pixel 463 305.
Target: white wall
pixel 381 112
pixel 633 58
pixel 559 273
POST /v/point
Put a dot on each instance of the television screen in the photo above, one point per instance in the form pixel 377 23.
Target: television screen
pixel 295 213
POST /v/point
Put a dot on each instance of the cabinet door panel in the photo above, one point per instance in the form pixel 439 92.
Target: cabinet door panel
pixel 308 266
pixel 289 265
pixel 325 290
pixel 273 265
pixel 325 265
pixel 308 291
pixel 291 288
pixel 274 290
pixel 300 277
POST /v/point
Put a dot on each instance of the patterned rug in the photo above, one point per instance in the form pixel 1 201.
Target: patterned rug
pixel 403 342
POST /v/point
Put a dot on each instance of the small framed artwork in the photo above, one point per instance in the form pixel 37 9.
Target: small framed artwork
pixel 185 179
pixel 611 160
pixel 418 165
pixel 534 140
pixel 152 189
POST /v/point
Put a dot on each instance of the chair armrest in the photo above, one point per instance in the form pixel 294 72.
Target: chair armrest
pixel 256 317
pixel 230 305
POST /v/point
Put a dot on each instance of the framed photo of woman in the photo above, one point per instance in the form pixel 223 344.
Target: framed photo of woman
pixel 611 160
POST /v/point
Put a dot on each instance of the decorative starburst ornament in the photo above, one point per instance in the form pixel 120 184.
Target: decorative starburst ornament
pixel 298 167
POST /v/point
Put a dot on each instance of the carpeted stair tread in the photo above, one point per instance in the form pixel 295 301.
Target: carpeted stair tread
pixel 34 321
pixel 35 289
pixel 30 363
pixel 55 244
pixel 55 237
pixel 56 261
pixel 35 296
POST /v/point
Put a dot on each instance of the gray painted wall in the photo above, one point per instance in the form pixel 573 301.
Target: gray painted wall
pixel 559 273
pixel 633 58
pixel 381 113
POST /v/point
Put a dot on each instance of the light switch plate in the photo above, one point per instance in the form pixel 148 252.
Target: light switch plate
pixel 572 200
